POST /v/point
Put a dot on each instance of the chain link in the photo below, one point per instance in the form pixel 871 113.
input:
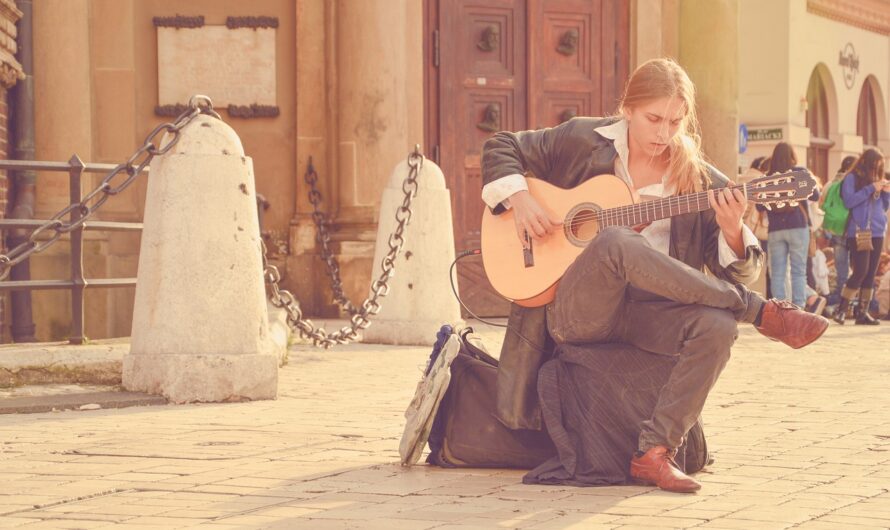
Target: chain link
pixel 323 238
pixel 379 288
pixel 97 197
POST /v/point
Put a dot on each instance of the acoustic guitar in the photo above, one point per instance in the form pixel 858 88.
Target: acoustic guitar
pixel 529 276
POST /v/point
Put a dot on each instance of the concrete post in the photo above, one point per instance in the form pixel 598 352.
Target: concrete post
pixel 420 299
pixel 200 325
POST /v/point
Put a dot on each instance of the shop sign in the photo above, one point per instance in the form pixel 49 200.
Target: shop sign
pixel 849 62
pixel 760 135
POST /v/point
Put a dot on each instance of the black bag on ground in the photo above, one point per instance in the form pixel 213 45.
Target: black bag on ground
pixel 593 398
pixel 465 432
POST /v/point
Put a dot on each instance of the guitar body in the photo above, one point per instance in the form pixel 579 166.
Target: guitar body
pixel 530 278
pixel 532 282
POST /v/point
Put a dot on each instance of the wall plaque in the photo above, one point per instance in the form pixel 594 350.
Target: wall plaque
pixel 232 66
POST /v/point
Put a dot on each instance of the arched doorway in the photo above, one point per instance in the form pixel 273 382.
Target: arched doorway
pixel 867 114
pixel 817 120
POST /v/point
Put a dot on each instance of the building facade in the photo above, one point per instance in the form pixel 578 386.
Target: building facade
pixel 816 74
pixel 357 83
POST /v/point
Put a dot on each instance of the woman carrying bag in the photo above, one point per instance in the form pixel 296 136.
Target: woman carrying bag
pixel 867 195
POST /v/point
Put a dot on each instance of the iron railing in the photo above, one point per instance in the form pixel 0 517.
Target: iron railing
pixel 77 282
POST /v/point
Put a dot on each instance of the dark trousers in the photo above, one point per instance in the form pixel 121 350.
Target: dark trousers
pixel 620 289
pixel 864 264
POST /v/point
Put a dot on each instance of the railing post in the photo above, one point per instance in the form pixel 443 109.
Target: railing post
pixel 74 174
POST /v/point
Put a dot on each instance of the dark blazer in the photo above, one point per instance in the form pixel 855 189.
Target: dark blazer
pixel 566 156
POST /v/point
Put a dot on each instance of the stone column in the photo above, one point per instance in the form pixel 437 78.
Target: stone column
pixel 654 30
pixel 200 325
pixel 709 51
pixel 379 116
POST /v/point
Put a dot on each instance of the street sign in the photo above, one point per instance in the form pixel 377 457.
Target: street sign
pixel 759 135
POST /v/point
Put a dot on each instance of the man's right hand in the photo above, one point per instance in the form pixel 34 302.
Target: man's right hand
pixel 530 217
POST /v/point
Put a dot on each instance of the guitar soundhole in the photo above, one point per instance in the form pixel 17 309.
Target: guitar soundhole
pixel 582 224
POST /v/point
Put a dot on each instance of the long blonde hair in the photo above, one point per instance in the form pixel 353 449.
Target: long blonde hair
pixel 660 78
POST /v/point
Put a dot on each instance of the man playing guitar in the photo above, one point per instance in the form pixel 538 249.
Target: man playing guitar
pixel 645 288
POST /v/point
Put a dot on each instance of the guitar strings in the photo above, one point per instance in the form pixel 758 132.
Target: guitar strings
pixel 643 209
pixel 670 202
pixel 626 215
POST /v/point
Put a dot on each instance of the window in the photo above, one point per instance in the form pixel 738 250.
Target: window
pixel 867 115
pixel 817 122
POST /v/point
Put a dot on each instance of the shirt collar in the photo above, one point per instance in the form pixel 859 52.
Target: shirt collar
pixel 617 132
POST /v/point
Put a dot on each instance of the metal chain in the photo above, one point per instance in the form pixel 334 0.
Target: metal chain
pixel 379 287
pixel 323 237
pixel 126 173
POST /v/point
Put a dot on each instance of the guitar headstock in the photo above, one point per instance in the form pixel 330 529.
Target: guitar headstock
pixel 790 187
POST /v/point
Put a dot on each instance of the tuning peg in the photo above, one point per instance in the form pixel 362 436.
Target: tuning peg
pixel 780 204
pixel 793 203
pixel 768 206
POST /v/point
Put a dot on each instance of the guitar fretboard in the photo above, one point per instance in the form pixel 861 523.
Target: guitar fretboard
pixel 650 211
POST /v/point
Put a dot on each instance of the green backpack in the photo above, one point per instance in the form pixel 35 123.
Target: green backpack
pixel 836 212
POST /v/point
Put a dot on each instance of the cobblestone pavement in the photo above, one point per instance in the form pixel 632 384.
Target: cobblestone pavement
pixel 801 439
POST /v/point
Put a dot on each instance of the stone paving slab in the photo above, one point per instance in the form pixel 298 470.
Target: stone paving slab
pixel 801 439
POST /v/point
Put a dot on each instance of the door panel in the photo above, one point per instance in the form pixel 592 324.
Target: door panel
pixel 513 65
pixel 483 91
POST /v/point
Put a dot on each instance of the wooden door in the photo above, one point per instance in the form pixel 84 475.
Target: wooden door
pixel 511 65
pixel 578 65
pixel 482 47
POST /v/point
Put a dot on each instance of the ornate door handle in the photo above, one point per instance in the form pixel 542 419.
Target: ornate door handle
pixel 491 119
pixel 491 37
pixel 567 114
pixel 568 43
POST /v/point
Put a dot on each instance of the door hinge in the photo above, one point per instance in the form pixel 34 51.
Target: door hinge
pixel 436 48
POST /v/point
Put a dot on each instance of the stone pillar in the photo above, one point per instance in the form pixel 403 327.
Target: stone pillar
pixel 200 325
pixel 654 30
pixel 420 298
pixel 379 116
pixel 709 51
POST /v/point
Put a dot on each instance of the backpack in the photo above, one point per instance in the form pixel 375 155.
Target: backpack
pixel 465 432
pixel 836 213
pixel 453 410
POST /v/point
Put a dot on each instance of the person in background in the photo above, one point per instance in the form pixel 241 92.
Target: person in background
pixel 788 237
pixel 866 194
pixel 834 226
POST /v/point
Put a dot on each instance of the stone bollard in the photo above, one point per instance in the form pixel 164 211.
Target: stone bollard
pixel 200 324
pixel 420 299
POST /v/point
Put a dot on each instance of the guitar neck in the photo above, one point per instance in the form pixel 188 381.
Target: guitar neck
pixel 650 211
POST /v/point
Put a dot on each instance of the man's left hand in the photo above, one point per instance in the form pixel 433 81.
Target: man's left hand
pixel 729 206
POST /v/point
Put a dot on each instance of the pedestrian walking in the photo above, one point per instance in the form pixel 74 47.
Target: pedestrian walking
pixel 834 226
pixel 788 237
pixel 866 193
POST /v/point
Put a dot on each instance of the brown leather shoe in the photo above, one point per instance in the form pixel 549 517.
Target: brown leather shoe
pixel 657 467
pixel 783 321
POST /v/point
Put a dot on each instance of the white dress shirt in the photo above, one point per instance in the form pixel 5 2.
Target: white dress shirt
pixel 658 233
